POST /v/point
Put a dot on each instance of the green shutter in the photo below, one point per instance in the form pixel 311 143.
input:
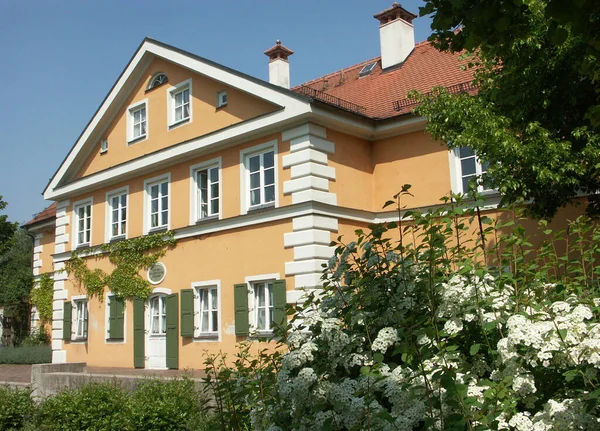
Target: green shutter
pixel 139 335
pixel 279 301
pixel 240 299
pixel 116 319
pixel 67 316
pixel 187 313
pixel 173 331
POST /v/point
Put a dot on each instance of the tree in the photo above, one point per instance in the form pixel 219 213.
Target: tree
pixel 6 228
pixel 16 280
pixel 536 117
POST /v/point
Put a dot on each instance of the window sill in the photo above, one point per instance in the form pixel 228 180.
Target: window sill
pixel 207 219
pixel 180 123
pixel 158 229
pixel 261 207
pixel 82 246
pixel 224 105
pixel 103 151
pixel 206 337
pixel 117 238
pixel 138 139
pixel 78 340
pixel 114 340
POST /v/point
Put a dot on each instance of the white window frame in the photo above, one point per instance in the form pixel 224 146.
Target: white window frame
pixel 171 93
pixel 109 211
pixel 107 298
pixel 206 336
pixel 130 112
pixel 252 305
pixel 195 215
pixel 147 205
pixel 75 300
pixel 161 316
pixel 103 146
pixel 245 175
pixel 76 206
pixel 456 173
pixel 220 96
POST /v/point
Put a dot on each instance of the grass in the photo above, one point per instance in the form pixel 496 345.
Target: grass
pixel 26 355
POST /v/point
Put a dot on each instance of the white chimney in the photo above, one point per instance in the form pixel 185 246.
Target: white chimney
pixel 279 68
pixel 396 35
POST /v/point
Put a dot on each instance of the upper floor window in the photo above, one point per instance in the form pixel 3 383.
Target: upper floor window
pixel 117 214
pixel 137 121
pixel 259 182
pixel 82 213
pixel 206 183
pixel 156 80
pixel 157 203
pixel 180 109
pixel 469 169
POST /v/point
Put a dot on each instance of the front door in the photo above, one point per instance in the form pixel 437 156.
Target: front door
pixel 156 345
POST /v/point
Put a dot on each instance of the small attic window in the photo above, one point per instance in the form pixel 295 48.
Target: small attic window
pixel 156 80
pixel 368 68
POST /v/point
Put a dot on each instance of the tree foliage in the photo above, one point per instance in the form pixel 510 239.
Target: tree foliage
pixel 536 117
pixel 7 229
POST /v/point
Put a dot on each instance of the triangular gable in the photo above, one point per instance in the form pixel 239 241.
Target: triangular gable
pixel 149 49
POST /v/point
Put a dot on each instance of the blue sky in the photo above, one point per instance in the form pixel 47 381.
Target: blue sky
pixel 59 59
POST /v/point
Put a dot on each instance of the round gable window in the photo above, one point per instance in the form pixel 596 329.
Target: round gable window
pixel 157 273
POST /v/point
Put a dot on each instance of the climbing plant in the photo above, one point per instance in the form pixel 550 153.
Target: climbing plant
pixel 128 257
pixel 42 296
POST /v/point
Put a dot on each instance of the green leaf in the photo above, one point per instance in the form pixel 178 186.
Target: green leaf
pixel 474 349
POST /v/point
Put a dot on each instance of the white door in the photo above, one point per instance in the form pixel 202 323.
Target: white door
pixel 156 345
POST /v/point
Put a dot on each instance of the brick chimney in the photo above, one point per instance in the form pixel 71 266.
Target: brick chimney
pixel 396 35
pixel 279 68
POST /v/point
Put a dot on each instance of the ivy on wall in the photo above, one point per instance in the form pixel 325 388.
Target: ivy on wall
pixel 42 297
pixel 129 258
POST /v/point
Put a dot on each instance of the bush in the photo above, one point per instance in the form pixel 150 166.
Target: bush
pixel 93 407
pixel 37 337
pixel 40 354
pixel 167 405
pixel 16 407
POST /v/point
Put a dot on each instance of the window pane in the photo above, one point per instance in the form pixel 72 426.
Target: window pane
pixel 165 218
pixel 214 175
pixel 186 96
pixel 270 176
pixel 254 163
pixel 164 188
pixel 465 152
pixel 255 180
pixel 215 321
pixel 269 194
pixel 178 99
pixel 164 203
pixel 155 324
pixel 268 159
pixel 260 324
pixel 466 181
pixel 154 220
pixel 178 114
pixel 204 321
pixel 143 111
pixel 137 116
pixel 143 128
pixel 154 192
pixel 213 294
pixel 203 210
pixel 261 294
pixel 123 200
pixel 186 111
pixel 485 166
pixel 154 205
pixel 255 197
pixel 123 214
pixel 214 206
pixel 468 166
pixel 214 190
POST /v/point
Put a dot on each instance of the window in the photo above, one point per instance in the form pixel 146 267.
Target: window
pixel 157 206
pixel 367 69
pixel 83 223
pixel 117 214
pixel 259 168
pixel 137 122
pixel 206 318
pixel 221 98
pixel 80 321
pixel 471 169
pixel 206 186
pixel 263 305
pixel 156 80
pixel 103 146
pixel 180 110
pixel 158 315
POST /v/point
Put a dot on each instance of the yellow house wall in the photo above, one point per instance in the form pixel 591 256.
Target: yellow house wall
pixel 415 159
pixel 180 192
pixel 47 243
pixel 227 256
pixel 206 117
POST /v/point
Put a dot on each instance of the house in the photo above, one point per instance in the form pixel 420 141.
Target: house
pixel 254 178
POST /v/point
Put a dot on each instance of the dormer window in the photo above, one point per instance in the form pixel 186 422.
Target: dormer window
pixel 156 80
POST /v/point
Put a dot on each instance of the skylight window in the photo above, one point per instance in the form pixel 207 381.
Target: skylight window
pixel 368 68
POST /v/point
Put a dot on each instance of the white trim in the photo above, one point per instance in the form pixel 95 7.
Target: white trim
pixel 103 146
pixel 194 216
pixel 177 88
pixel 129 122
pixel 73 301
pixel 163 277
pixel 148 183
pixel 454 161
pixel 244 173
pixel 160 291
pixel 108 219
pixel 108 295
pixel 198 338
pixel 220 95
pixel 75 228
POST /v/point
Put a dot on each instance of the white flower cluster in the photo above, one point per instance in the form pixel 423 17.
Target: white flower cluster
pixel 386 338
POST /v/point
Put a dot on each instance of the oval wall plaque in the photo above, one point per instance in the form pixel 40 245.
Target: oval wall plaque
pixel 157 273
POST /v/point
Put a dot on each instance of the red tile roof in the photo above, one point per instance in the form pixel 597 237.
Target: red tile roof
pixel 424 69
pixel 46 214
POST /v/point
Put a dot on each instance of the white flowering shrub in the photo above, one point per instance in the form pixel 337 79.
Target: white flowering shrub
pixel 435 330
